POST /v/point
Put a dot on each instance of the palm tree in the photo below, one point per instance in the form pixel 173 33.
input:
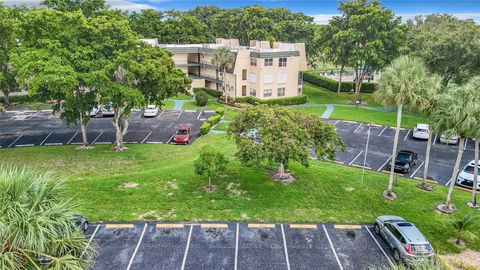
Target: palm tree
pixel 435 87
pixel 455 114
pixel 402 85
pixel 36 223
pixel 473 86
pixel 223 59
pixel 463 226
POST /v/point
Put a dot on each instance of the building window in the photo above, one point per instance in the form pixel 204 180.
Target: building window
pixel 253 62
pixel 268 78
pixel 299 91
pixel 244 90
pixel 282 78
pixel 300 78
pixel 253 92
pixel 268 62
pixel 281 92
pixel 282 62
pixel 244 74
pixel 252 77
pixel 267 93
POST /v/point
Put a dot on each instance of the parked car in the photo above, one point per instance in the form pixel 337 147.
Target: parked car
pixel 182 135
pixel 107 110
pixel 465 176
pixel 405 160
pixel 94 112
pixel 404 238
pixel 421 131
pixel 150 111
pixel 449 140
pixel 81 222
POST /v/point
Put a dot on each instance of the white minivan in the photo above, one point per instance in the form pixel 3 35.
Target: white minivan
pixel 465 176
pixel 421 131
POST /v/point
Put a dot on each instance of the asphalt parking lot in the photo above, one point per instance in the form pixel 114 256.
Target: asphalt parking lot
pixel 37 128
pixel 442 157
pixel 237 246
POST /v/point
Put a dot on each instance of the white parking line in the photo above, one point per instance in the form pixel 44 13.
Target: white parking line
pixel 331 246
pixel 355 158
pixel 385 163
pixel 146 137
pixel 158 116
pixel 200 113
pixel 383 251
pixel 97 137
pixel 169 140
pixel 14 141
pixel 45 138
pixel 435 140
pixel 285 247
pixel 179 114
pixel 465 146
pixel 380 134
pixel 406 136
pixel 446 184
pixel 136 248
pixel 413 174
pixel 236 248
pixel 186 248
pixel 359 126
pixel 69 141
pixel 90 240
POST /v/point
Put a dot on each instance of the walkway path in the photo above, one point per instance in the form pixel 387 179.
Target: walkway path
pixel 331 108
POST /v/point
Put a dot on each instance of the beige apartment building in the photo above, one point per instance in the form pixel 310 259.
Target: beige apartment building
pixel 260 70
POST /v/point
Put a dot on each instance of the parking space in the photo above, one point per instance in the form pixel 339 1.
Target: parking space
pixel 236 246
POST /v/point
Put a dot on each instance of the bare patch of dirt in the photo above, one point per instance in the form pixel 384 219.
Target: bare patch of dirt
pixel 287 178
pixel 128 185
pixel 349 189
pixel 150 215
pixel 172 184
pixel 443 209
pixel 389 195
pixel 209 188
pixel 427 188
pixel 244 216
pixel 234 188
pixel 467 260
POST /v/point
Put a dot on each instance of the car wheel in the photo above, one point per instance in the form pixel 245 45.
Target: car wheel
pixel 396 255
pixel 376 228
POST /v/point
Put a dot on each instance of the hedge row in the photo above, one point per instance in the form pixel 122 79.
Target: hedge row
pixel 274 101
pixel 21 98
pixel 332 85
pixel 205 128
pixel 211 121
pixel 210 91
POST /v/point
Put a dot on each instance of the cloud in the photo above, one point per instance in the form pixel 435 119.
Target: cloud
pixel 475 16
pixel 115 4
pixel 322 18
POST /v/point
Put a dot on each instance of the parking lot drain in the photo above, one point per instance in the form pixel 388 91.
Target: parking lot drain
pixel 171 225
pixel 260 225
pixel 213 225
pixel 347 226
pixel 118 226
pixel 303 226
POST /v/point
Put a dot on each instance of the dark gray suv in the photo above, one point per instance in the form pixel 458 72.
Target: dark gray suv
pixel 404 238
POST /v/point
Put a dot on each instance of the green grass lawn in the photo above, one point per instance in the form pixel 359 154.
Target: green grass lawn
pixel 169 190
pixel 222 126
pixel 316 110
pixel 211 105
pixel 378 117
pixel 169 104
pixel 319 95
pixel 182 96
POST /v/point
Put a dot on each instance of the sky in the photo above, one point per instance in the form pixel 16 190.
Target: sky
pixel 321 10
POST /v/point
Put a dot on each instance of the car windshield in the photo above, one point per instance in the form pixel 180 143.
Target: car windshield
pixel 182 132
pixel 469 169
pixel 420 248
pixel 403 157
pixel 422 130
pixel 151 107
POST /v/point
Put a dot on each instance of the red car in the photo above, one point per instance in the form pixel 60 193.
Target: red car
pixel 182 135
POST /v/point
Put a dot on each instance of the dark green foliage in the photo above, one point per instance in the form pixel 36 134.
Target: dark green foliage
pixel 210 91
pixel 201 98
pixel 214 119
pixel 332 85
pixel 210 164
pixel 220 111
pixel 205 128
pixel 22 98
pixel 274 101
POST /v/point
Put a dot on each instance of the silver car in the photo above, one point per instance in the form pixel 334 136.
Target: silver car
pixel 404 238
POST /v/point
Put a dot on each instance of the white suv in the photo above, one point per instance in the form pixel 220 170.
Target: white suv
pixel 421 131
pixel 465 176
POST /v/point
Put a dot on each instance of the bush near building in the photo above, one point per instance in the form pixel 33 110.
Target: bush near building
pixel 205 128
pixel 209 91
pixel 274 101
pixel 201 98
pixel 332 85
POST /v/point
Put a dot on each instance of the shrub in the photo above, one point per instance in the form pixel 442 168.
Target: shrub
pixel 210 91
pixel 214 119
pixel 205 128
pixel 274 101
pixel 332 85
pixel 201 98
pixel 220 111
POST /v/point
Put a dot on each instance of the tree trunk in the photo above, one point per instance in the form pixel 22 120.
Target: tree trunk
pixel 6 97
pixel 454 172
pixel 224 87
pixel 394 148
pixel 427 159
pixel 475 175
pixel 340 81
pixel 83 128
pixel 358 87
pixel 120 123
pixel 281 170
pixel 209 183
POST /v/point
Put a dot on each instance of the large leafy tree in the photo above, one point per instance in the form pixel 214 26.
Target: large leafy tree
pixel 205 15
pixel 89 8
pixel 183 28
pixel 9 26
pixel 402 85
pixel 36 218
pixel 372 35
pixel 147 23
pixel 449 46
pixel 277 135
pixel 455 114
pixel 210 164
pixel 224 59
